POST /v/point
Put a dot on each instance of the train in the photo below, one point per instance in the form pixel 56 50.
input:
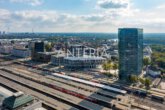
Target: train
pixel 93 84
pixel 157 98
pixel 90 83
pixel 141 93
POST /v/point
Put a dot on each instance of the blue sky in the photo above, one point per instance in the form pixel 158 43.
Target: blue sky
pixel 81 15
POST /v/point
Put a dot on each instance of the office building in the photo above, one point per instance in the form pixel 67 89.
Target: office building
pixel 35 48
pixel 130 52
pixel 43 56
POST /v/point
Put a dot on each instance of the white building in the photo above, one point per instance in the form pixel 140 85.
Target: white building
pixel 83 62
pixel 153 72
pixel 7 49
pixel 21 52
pixel 147 52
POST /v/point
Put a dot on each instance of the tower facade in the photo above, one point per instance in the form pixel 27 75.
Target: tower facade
pixel 130 52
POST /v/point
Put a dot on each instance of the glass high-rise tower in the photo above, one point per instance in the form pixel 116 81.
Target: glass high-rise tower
pixel 130 52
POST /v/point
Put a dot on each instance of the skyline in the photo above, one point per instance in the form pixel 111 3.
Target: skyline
pixel 81 15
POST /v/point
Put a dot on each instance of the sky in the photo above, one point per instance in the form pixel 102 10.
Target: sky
pixel 81 15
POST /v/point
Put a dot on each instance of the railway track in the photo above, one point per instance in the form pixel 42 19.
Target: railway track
pixel 72 91
pixel 44 93
pixel 77 85
pixel 47 100
pixel 55 79
pixel 52 94
pixel 103 102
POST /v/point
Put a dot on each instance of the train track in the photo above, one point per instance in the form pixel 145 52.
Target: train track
pixel 77 85
pixel 45 105
pixel 61 89
pixel 68 84
pixel 99 102
pixel 46 93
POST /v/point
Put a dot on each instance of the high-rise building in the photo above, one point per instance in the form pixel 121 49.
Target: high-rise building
pixel 130 52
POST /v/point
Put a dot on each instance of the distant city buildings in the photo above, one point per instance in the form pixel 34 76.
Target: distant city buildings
pixel 21 50
pixel 130 52
pixel 15 47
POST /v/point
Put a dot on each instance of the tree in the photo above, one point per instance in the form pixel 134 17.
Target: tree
pixel 107 66
pixel 147 83
pixel 146 61
pixel 133 78
pixel 48 47
pixel 158 58
pixel 109 61
pixel 115 67
pixel 142 80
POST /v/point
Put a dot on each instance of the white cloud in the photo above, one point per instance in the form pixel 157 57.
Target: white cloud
pixel 162 6
pixel 107 20
pixel 30 2
pixel 113 4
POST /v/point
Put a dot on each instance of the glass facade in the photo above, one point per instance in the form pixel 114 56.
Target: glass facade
pixel 130 52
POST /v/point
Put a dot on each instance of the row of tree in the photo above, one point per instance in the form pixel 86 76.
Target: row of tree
pixel 158 56
pixel 109 65
pixel 136 79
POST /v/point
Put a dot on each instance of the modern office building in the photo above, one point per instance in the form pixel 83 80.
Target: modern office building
pixel 35 48
pixel 130 52
pixel 43 56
